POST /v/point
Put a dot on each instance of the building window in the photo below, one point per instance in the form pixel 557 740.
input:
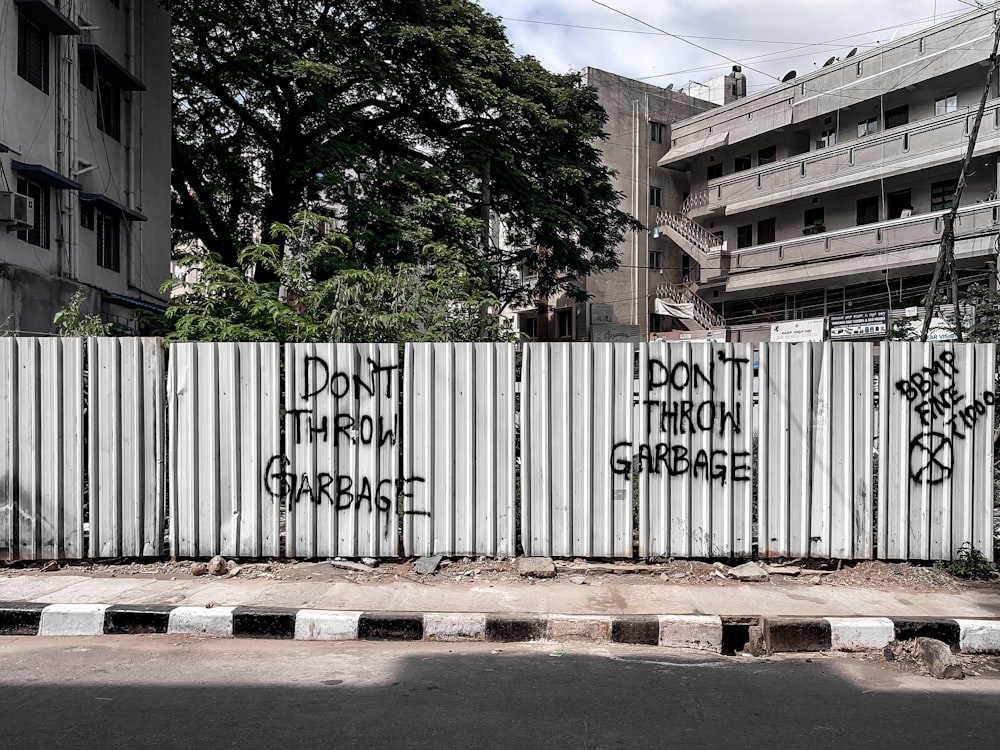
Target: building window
pixel 109 99
pixel 87 215
pixel 38 235
pixel 714 171
pixel 564 323
pixel 655 196
pixel 655 260
pixel 765 231
pixel 529 327
pixel 867 210
pixel 897 202
pixel 813 221
pixel 657 131
pixel 827 138
pixel 896 117
pixel 108 241
pixel 109 108
pixel 742 163
pixel 946 104
pixel 867 127
pixel 942 194
pixel 767 155
pixel 33 53
pixel 744 236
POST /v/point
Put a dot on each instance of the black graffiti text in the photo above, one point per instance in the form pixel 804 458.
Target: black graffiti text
pixel 343 428
pixel 674 460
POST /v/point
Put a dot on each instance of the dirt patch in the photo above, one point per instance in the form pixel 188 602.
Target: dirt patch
pixel 876 575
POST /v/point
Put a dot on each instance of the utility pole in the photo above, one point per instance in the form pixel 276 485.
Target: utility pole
pixel 946 253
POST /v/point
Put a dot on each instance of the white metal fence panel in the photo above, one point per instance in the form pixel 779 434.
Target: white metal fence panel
pixel 341 461
pixel 817 415
pixel 935 470
pixel 126 408
pixel 458 449
pixel 694 449
pixel 41 448
pixel 576 407
pixel 225 432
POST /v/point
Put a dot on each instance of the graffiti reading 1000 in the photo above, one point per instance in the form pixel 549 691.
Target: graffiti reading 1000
pixel 933 394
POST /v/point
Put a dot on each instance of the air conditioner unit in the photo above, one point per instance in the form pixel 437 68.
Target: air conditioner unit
pixel 17 209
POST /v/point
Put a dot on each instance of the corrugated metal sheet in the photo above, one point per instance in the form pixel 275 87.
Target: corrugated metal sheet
pixel 935 472
pixel 224 423
pixel 126 409
pixel 576 406
pixel 458 449
pixel 817 413
pixel 693 451
pixel 341 432
pixel 41 448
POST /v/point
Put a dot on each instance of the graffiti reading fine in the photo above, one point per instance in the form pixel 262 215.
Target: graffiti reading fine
pixel 681 401
pixel 933 394
pixel 345 428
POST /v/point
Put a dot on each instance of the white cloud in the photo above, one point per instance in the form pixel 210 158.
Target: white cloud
pixel 780 35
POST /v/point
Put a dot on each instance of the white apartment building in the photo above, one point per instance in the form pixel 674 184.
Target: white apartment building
pixel 84 158
pixel 825 195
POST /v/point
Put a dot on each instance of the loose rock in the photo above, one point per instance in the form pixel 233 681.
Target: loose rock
pixel 749 571
pixel 218 566
pixel 938 659
pixel 536 567
pixel 581 580
pixel 199 569
pixel 427 565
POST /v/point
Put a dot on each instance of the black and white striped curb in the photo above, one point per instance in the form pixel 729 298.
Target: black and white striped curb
pixel 702 632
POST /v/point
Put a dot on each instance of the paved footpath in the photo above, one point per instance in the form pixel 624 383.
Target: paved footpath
pixel 762 617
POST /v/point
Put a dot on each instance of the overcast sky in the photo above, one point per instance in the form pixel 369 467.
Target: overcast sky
pixel 768 37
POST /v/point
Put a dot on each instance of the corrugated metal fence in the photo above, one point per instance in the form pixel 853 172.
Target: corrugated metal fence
pixel 345 449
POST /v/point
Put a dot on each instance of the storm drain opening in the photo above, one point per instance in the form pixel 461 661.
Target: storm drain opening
pixel 736 634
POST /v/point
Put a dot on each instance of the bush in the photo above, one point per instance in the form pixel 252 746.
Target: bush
pixel 971 563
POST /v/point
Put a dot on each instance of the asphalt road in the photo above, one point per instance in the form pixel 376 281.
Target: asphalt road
pixel 179 692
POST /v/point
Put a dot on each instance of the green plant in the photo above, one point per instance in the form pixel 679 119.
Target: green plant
pixel 971 563
pixel 71 320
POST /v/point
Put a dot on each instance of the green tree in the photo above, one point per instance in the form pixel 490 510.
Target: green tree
pixel 314 291
pixel 411 121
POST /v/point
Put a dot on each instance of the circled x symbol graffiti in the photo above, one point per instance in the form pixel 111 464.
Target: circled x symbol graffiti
pixel 931 458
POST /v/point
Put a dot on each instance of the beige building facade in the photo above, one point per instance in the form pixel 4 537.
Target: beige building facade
pixel 640 116
pixel 825 195
pixel 84 158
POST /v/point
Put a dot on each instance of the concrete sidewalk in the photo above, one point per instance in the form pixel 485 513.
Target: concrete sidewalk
pixel 609 596
pixel 760 618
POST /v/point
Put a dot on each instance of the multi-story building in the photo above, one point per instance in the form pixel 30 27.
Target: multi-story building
pixel 825 195
pixel 638 130
pixel 84 158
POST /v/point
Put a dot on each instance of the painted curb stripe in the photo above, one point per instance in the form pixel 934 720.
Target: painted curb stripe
pixel 258 622
pixel 638 629
pixel 979 636
pixel 20 618
pixel 217 621
pixel 136 619
pixel 785 634
pixel 781 634
pixel 72 619
pixel 326 625
pixel 946 630
pixel 390 626
pixel 515 628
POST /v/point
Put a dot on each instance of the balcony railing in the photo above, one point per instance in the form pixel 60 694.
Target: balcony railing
pixel 704 315
pixel 919 144
pixel 975 223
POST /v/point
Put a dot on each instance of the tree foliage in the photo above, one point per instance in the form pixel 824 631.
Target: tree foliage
pixel 410 121
pixel 315 292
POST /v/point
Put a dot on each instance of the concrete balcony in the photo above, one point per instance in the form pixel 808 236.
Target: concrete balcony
pixel 915 146
pixel 865 252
